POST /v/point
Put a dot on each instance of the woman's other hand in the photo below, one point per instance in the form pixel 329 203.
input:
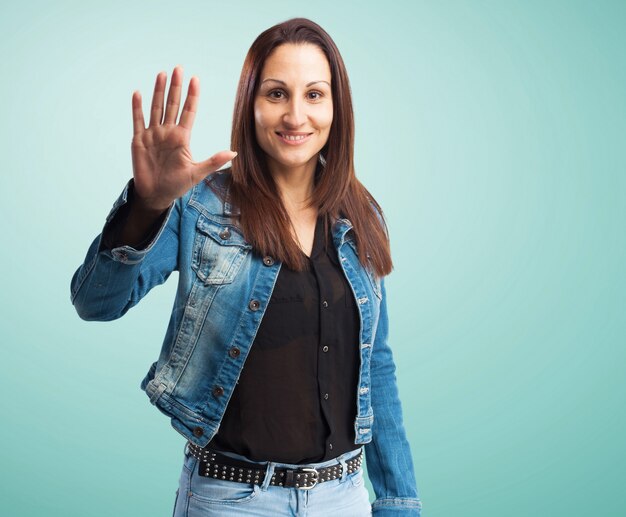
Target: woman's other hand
pixel 163 168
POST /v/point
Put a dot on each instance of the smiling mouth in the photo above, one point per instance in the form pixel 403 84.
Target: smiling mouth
pixel 293 138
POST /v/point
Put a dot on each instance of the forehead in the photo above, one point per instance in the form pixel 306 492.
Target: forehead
pixel 302 62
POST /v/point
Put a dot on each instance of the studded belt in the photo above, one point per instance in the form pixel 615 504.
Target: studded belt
pixel 215 465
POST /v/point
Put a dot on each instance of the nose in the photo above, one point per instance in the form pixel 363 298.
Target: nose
pixel 296 115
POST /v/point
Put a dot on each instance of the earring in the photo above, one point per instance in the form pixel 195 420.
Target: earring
pixel 322 160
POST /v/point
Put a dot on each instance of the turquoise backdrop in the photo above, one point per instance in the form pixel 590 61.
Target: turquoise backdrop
pixel 490 133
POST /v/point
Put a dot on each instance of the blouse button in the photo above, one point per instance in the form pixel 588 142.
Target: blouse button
pixel 225 234
pixel 268 261
pixel 254 305
pixel 234 352
pixel 218 391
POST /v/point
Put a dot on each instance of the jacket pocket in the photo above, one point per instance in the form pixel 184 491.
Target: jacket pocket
pixel 218 251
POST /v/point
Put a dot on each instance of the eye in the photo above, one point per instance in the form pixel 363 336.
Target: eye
pixel 272 95
pixel 318 94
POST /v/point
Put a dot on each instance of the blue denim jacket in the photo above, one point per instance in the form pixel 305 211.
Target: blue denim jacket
pixel 223 289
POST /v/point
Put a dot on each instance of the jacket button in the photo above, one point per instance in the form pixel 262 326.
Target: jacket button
pixel 324 348
pixel 325 303
pixel 234 352
pixel 268 261
pixel 218 391
pixel 225 234
pixel 254 305
pixel 197 431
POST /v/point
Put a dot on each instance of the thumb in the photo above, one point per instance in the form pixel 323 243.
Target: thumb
pixel 213 163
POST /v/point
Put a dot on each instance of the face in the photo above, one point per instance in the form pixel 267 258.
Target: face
pixel 293 108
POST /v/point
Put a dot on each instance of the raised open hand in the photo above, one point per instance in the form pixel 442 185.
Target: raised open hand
pixel 163 168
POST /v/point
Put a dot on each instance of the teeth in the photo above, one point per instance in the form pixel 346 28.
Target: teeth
pixel 290 137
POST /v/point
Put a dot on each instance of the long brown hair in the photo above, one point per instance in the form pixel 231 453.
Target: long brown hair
pixel 337 192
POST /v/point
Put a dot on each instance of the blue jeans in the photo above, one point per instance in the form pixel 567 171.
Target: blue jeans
pixel 200 496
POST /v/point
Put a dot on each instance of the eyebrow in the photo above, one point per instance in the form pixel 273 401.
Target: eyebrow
pixel 284 83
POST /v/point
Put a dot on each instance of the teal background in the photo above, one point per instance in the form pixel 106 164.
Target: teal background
pixel 491 132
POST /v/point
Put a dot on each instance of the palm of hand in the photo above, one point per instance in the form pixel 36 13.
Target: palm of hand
pixel 163 167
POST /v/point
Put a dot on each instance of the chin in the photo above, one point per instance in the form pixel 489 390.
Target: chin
pixel 294 162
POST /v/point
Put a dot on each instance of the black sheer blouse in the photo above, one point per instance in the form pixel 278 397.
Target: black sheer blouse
pixel 295 401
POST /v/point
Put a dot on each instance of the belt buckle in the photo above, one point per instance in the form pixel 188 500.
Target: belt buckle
pixel 309 469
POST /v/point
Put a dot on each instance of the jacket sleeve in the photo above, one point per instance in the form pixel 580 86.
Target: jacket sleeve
pixel 111 281
pixel 388 454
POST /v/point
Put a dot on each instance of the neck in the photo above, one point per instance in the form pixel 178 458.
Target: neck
pixel 295 184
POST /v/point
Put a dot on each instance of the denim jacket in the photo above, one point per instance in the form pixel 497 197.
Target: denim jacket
pixel 224 287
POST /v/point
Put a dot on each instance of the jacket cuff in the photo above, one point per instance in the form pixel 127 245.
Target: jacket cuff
pixel 396 506
pixel 114 222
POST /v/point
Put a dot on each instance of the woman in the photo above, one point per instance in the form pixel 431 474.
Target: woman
pixel 281 259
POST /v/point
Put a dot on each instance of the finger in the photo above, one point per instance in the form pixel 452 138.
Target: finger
pixel 202 169
pixel 191 103
pixel 138 121
pixel 173 97
pixel 156 111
